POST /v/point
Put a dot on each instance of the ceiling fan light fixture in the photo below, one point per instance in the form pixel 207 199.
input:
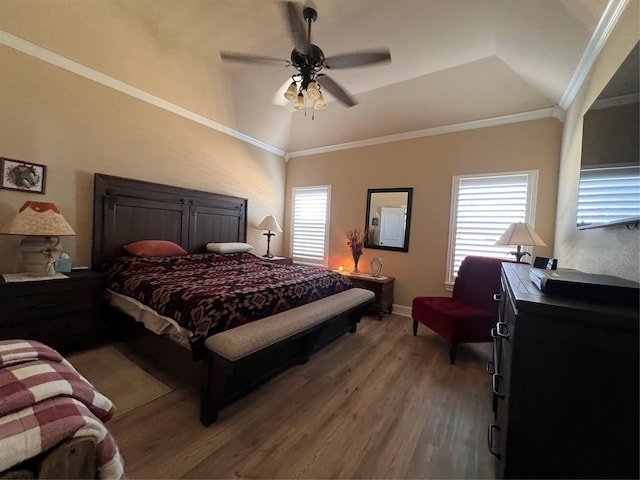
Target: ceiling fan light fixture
pixel 299 103
pixel 312 90
pixel 292 92
pixel 309 60
pixel 319 103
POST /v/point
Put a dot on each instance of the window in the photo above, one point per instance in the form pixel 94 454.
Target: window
pixel 608 195
pixel 310 230
pixel 482 207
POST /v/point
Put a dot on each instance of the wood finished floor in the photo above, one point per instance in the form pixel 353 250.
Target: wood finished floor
pixel 379 403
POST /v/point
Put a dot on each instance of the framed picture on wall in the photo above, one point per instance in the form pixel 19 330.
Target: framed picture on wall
pixel 23 176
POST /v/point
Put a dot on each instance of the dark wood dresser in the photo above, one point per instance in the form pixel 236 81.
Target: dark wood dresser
pixel 565 385
pixel 62 313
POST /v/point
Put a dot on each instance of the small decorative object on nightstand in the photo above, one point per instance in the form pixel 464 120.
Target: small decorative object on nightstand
pixel 62 313
pixel 355 241
pixel 376 266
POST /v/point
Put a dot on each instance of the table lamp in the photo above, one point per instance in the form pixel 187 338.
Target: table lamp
pixel 271 225
pixel 42 224
pixel 520 234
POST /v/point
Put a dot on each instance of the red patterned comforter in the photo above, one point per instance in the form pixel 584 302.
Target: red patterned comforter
pixel 210 293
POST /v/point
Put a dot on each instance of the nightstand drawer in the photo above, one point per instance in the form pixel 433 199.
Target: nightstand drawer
pixel 54 303
pixel 58 331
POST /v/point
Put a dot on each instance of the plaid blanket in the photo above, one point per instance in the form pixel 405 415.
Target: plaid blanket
pixel 43 401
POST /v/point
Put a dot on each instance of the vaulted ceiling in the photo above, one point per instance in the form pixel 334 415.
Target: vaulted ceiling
pixel 453 61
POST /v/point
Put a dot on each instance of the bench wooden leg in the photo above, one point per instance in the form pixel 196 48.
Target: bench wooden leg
pixel 452 354
pixel 215 377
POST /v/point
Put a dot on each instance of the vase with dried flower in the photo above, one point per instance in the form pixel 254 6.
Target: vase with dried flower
pixel 355 241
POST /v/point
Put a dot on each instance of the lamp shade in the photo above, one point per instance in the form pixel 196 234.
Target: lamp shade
pixel 521 234
pixel 312 90
pixel 320 103
pixel 292 92
pixel 299 103
pixel 38 218
pixel 269 223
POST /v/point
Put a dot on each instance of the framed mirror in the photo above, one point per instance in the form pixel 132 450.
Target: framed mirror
pixel 388 218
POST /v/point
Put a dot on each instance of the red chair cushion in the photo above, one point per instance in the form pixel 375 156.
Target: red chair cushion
pixel 455 321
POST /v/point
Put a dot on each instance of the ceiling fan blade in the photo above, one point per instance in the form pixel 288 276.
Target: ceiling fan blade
pixel 358 59
pixel 336 90
pixel 255 59
pixel 297 26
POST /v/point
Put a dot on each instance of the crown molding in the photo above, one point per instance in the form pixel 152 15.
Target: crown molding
pixel 608 21
pixel 52 58
pixel 457 127
pixel 48 56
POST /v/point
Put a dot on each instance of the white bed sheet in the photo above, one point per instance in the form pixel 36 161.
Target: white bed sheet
pixel 152 320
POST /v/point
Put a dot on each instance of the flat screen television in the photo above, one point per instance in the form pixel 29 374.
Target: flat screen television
pixel 609 192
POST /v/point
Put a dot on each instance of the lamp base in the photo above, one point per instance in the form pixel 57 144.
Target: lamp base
pixel 269 234
pixel 40 254
pixel 519 254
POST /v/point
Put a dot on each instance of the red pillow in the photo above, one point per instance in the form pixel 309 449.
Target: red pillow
pixel 154 248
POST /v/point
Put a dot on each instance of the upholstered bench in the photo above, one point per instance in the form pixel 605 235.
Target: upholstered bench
pixel 293 335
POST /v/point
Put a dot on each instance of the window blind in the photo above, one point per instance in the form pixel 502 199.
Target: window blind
pixel 607 194
pixel 310 225
pixel 483 207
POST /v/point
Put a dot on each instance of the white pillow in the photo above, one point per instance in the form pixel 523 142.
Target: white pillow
pixel 229 247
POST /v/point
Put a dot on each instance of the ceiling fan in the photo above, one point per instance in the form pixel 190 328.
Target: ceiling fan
pixel 309 60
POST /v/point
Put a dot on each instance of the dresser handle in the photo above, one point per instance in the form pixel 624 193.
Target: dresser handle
pixel 501 330
pixel 491 367
pixel 490 440
pixel 497 297
pixel 494 385
pixel 494 334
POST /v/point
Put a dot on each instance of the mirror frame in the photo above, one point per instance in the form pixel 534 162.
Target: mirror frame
pixel 409 192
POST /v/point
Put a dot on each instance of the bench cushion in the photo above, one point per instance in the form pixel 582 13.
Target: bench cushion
pixel 246 339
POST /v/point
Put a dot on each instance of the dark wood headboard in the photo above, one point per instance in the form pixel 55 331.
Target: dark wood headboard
pixel 126 210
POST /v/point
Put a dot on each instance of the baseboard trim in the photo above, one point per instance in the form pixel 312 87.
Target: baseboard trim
pixel 402 310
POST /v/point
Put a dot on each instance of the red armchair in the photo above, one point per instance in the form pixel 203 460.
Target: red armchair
pixel 470 313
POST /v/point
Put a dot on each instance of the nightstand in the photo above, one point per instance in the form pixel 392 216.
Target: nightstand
pixel 61 313
pixel 280 260
pixel 382 286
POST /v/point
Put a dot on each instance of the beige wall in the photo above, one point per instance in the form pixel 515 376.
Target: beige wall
pixel 427 164
pixel 77 127
pixel 611 250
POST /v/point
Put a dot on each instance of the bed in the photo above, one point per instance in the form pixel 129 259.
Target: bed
pixel 215 356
